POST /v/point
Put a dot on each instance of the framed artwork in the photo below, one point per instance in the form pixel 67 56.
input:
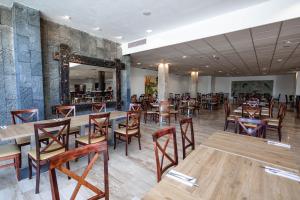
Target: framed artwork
pixel 151 84
pixel 254 87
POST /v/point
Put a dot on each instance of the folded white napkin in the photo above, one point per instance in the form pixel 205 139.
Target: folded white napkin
pixel 282 173
pixel 288 146
pixel 187 180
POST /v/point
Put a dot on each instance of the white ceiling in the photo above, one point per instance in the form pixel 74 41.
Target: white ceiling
pixel 89 72
pixel 125 18
pixel 252 51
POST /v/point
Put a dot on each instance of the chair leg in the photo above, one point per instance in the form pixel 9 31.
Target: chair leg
pixel 68 167
pixel 279 134
pixel 115 141
pixel 30 167
pixel 76 146
pixel 139 139
pixel 38 175
pixel 126 146
pixel 225 125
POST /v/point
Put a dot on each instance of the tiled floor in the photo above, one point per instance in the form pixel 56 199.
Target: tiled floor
pixel 130 177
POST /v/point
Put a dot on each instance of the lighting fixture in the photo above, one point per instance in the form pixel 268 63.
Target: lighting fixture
pixel 119 37
pixel 97 29
pixel 184 57
pixel 138 63
pixel 146 13
pixel 216 57
pixel 279 60
pixel 207 66
pixel 149 31
pixel 67 17
pixel 220 71
pixel 73 64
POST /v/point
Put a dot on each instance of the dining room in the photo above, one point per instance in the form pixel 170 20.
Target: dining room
pixel 177 100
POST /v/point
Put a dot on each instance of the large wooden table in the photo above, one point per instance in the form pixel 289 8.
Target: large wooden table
pixel 23 130
pixel 225 172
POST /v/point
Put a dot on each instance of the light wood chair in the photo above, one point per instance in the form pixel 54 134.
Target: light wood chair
pixel 187 141
pixel 149 113
pixel 41 154
pixel 98 130
pixel 11 152
pixel 166 135
pixel 132 129
pixel 65 112
pixel 58 161
pixel 164 111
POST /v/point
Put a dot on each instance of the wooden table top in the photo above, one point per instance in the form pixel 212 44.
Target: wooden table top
pixel 254 148
pixel 222 175
pixel 23 130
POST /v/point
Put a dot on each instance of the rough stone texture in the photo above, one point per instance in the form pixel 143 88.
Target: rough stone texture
pixel 81 43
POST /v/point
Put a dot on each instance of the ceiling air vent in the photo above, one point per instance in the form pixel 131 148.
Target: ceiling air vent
pixel 137 43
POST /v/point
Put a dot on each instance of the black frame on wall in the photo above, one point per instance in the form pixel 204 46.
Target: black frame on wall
pixel 64 56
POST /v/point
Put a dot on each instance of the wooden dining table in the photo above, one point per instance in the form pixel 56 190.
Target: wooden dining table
pixel 223 171
pixel 23 130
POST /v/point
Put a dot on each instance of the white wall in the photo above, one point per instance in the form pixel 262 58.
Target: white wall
pixel 177 84
pixel 204 84
pixel 298 83
pixel 283 84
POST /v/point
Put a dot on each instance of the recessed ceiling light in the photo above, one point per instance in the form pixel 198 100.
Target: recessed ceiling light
pixel 97 29
pixel 220 71
pixel 138 63
pixel 146 12
pixel 149 31
pixel 67 17
pixel 279 60
pixel 264 68
pixel 216 57
pixel 184 57
pixel 119 37
pixel 207 66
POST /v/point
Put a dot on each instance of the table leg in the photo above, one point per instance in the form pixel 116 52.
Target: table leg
pixel 111 136
pixel 82 130
pixel 32 141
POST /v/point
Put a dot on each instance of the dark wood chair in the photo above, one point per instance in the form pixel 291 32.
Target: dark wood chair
pixel 251 111
pixel 98 130
pixel 252 127
pixel 68 111
pixel 185 125
pixel 41 154
pixel 275 124
pixel 132 129
pixel 11 152
pixel 132 107
pixel 166 135
pixel 58 161
pixel 149 113
pixel 164 111
pixel 229 118
pixel 98 107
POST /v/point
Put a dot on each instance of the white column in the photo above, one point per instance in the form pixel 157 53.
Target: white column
pixel 163 81
pixel 194 84
pixel 297 83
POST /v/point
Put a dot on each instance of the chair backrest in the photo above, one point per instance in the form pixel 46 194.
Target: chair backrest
pixel 226 109
pixel 185 125
pixel 271 106
pixel 99 107
pixel 253 127
pixel 57 162
pixel 251 111
pixel 65 111
pixel 164 107
pixel 135 107
pixel 133 120
pixel 25 116
pixel 100 123
pixel 168 134
pixel 54 131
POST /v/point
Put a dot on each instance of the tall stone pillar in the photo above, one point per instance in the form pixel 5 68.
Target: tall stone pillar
pixel 194 84
pixel 163 81
pixel 125 78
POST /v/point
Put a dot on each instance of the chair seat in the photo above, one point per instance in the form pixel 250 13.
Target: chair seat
pixel 72 130
pixel 273 123
pixel 249 125
pixel 164 114
pixel 272 120
pixel 174 112
pixel 46 156
pixel 231 118
pixel 85 139
pixel 122 131
pixel 9 150
pixel 151 112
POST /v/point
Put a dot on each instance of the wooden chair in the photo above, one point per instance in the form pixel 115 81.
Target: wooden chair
pixel 132 107
pixel 229 118
pixel 164 111
pixel 68 111
pixel 98 130
pixel 269 111
pixel 251 111
pixel 24 116
pixel 11 152
pixel 252 127
pixel 168 134
pixel 58 161
pixel 132 129
pixel 98 107
pixel 187 142
pixel 41 154
pixel 276 123
pixel 149 113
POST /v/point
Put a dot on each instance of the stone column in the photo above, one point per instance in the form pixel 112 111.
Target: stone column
pixel 194 84
pixel 101 80
pixel 163 81
pixel 125 78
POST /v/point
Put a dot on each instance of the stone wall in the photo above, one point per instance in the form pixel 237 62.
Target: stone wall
pixel 81 43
